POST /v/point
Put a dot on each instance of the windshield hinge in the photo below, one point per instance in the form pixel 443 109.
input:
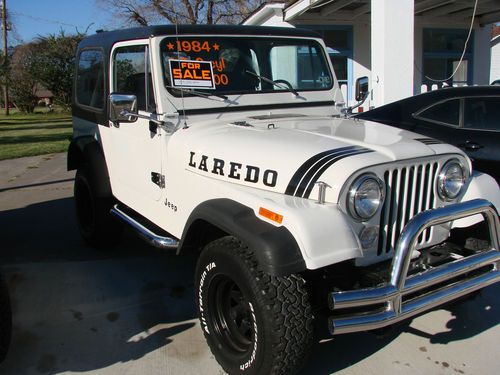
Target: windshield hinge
pixel 158 179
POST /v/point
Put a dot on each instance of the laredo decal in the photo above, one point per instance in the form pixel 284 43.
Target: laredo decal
pixel 307 175
pixel 234 170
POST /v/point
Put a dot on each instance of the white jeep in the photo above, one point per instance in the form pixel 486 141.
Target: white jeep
pixel 229 142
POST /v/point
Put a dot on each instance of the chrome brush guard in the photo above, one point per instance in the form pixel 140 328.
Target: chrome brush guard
pixel 380 306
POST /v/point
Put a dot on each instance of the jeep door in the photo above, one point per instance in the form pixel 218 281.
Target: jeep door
pixel 136 146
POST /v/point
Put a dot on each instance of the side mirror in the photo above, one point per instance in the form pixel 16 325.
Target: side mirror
pixel 122 108
pixel 361 88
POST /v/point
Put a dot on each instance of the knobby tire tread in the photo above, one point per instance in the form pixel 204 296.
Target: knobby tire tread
pixel 287 298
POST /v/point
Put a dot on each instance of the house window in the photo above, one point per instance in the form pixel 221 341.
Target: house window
pixel 338 40
pixel 442 49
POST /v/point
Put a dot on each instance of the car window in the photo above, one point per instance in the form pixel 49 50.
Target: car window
pixel 131 68
pixel 235 61
pixel 307 73
pixel 90 79
pixel 446 112
pixel 482 113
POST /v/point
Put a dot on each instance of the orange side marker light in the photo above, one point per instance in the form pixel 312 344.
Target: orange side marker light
pixel 273 216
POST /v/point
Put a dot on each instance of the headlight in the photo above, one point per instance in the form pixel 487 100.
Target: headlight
pixel 365 196
pixel 451 180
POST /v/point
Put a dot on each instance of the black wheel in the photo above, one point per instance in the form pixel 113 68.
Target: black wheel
pixel 97 226
pixel 5 320
pixel 254 323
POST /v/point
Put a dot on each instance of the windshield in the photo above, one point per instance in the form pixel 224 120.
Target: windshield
pixel 224 65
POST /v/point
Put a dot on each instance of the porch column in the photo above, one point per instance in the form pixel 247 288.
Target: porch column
pixel 392 47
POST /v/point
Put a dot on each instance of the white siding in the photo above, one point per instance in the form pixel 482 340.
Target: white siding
pixel 495 59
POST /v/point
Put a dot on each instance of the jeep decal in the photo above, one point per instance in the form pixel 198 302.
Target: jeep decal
pixel 234 170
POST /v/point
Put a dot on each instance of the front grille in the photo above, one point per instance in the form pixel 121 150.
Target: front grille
pixel 410 190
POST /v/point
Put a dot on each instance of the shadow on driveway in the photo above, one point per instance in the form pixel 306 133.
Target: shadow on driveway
pixel 79 309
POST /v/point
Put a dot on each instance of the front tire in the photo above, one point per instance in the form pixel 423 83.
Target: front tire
pixel 254 323
pixel 97 226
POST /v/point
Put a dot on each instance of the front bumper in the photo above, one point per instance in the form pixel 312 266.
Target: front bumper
pixel 404 296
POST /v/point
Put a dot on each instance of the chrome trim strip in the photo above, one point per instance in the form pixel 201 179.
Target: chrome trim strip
pixel 146 234
pixel 391 294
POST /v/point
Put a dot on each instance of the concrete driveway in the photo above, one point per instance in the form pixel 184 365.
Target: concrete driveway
pixel 130 309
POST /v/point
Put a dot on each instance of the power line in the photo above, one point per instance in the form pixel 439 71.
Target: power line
pixel 56 22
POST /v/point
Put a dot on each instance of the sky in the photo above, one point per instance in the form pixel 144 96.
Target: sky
pixel 32 18
pixel 41 17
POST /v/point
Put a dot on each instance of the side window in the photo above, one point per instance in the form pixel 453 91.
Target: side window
pixel 447 112
pixel 90 79
pixel 132 75
pixel 482 113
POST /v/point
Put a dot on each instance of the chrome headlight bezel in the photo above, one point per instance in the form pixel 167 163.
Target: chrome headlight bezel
pixel 446 192
pixel 354 201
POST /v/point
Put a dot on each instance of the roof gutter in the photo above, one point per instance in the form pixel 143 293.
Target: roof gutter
pixel 265 13
pixel 299 7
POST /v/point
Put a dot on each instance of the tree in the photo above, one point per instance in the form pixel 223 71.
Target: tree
pixel 54 64
pixel 147 12
pixel 21 78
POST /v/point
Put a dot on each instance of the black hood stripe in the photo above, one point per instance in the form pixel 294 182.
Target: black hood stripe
pixel 313 172
pixel 328 165
pixel 307 175
pixel 297 177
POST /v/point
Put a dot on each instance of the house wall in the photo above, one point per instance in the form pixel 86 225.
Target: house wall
pixel 481 51
pixel 362 51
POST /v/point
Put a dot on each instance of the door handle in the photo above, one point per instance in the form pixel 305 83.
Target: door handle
pixel 470 146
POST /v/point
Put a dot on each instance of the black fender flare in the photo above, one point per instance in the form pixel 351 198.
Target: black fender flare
pixel 85 152
pixel 275 247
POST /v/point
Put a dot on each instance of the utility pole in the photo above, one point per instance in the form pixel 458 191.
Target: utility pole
pixel 5 57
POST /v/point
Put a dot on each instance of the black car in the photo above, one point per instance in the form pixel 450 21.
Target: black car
pixel 467 117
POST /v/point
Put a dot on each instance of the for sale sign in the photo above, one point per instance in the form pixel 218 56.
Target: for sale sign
pixel 192 74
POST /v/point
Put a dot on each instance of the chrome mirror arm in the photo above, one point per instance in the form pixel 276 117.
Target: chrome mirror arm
pixel 126 112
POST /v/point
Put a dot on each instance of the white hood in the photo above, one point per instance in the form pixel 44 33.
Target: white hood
pixel 288 155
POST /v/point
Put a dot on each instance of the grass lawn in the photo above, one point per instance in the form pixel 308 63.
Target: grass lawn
pixel 34 134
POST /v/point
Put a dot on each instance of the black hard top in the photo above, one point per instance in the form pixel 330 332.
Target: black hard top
pixel 108 38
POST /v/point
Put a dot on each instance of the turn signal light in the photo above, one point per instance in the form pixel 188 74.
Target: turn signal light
pixel 273 216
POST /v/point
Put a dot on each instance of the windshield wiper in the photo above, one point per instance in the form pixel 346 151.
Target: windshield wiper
pixel 285 86
pixel 200 94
